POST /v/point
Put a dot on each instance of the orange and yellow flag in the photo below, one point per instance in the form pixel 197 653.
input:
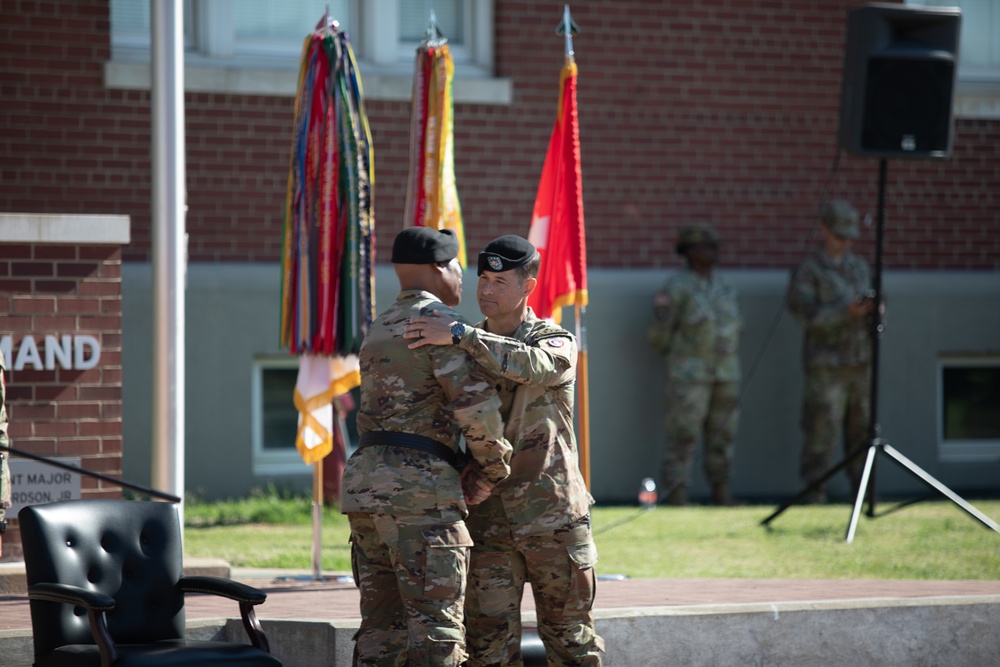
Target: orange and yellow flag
pixel 431 194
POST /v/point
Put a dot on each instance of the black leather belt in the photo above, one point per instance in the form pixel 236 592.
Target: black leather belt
pixel 412 441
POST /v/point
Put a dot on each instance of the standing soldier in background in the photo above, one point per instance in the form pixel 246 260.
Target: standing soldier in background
pixel 829 295
pixel 696 325
pixel 535 526
pixel 5 442
pixel 401 489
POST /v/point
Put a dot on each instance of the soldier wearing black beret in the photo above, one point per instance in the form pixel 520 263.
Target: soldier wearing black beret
pixel 424 245
pixel 402 490
pixel 535 525
pixel 506 253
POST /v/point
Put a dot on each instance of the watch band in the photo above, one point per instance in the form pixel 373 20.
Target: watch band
pixel 457 331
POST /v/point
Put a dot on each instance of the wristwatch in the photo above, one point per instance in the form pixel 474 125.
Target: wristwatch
pixel 3 526
pixel 457 331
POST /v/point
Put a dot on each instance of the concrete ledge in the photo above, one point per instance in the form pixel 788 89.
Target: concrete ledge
pixel 957 631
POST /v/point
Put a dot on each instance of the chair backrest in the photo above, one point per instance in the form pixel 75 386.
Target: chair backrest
pixel 129 550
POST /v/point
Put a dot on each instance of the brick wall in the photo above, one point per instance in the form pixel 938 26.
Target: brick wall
pixel 721 111
pixel 64 290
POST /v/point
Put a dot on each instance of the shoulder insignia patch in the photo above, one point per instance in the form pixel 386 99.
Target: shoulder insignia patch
pixel 554 342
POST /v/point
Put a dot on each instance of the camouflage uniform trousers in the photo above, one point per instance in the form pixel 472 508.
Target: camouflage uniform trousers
pixel 558 564
pixel 835 404
pixel 412 573
pixel 707 411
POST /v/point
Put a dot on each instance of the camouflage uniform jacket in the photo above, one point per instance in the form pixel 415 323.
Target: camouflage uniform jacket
pixel 536 368
pixel 818 296
pixel 436 392
pixel 696 324
pixel 5 441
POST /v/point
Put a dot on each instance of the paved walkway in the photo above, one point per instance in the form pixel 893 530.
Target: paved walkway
pixel 298 596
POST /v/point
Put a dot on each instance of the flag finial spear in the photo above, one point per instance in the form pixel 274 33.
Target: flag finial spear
pixel 433 34
pixel 568 28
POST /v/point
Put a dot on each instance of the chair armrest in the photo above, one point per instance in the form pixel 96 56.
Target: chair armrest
pixel 52 592
pixel 247 596
pixel 95 603
pixel 227 588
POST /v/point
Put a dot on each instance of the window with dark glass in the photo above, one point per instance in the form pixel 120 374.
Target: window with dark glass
pixel 279 415
pixel 971 402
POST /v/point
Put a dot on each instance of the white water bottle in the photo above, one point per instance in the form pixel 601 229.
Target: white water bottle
pixel 647 493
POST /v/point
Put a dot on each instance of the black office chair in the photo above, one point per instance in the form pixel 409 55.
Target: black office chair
pixel 106 589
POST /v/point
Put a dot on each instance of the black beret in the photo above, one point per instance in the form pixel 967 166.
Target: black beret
pixel 424 245
pixel 505 253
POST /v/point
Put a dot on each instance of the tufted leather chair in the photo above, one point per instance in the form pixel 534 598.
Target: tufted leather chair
pixel 106 589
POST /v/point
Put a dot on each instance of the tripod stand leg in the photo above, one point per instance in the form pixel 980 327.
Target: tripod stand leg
pixel 920 474
pixel 862 489
pixel 809 489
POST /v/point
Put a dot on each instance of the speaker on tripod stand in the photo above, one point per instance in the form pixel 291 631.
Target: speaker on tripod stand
pixel 896 101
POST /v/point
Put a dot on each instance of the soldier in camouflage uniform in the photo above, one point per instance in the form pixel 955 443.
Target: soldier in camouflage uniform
pixel 696 325
pixel 4 441
pixel 402 490
pixel 535 526
pixel 829 295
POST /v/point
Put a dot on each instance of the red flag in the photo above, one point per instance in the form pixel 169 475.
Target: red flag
pixel 557 220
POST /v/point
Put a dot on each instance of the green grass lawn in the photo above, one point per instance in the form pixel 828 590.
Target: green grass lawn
pixel 928 540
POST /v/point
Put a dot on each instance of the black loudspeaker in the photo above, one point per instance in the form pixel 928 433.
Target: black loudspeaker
pixel 898 84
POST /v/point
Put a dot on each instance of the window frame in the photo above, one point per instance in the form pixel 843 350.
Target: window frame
pixel 963 451
pixel 270 463
pixel 386 63
pixel 977 90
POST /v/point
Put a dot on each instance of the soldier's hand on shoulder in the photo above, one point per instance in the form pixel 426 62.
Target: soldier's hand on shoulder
pixel 433 329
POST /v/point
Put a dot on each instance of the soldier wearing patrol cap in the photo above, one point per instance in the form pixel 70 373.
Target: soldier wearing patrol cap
pixel 829 295
pixel 696 325
pixel 5 442
pixel 535 526
pixel 402 489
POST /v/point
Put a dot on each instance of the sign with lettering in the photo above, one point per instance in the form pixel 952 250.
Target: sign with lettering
pixel 34 483
pixel 79 352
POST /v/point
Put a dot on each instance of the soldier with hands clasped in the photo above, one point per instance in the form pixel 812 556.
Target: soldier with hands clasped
pixel 696 326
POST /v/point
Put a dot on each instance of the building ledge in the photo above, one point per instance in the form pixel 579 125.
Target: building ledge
pixel 281 82
pixel 57 229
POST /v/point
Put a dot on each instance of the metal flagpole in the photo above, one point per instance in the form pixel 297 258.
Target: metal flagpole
pixel 169 251
pixel 567 28
pixel 583 392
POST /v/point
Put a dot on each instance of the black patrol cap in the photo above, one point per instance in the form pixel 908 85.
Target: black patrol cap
pixel 424 245
pixel 505 253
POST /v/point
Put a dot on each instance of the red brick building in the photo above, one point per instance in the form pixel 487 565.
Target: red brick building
pixel 722 112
